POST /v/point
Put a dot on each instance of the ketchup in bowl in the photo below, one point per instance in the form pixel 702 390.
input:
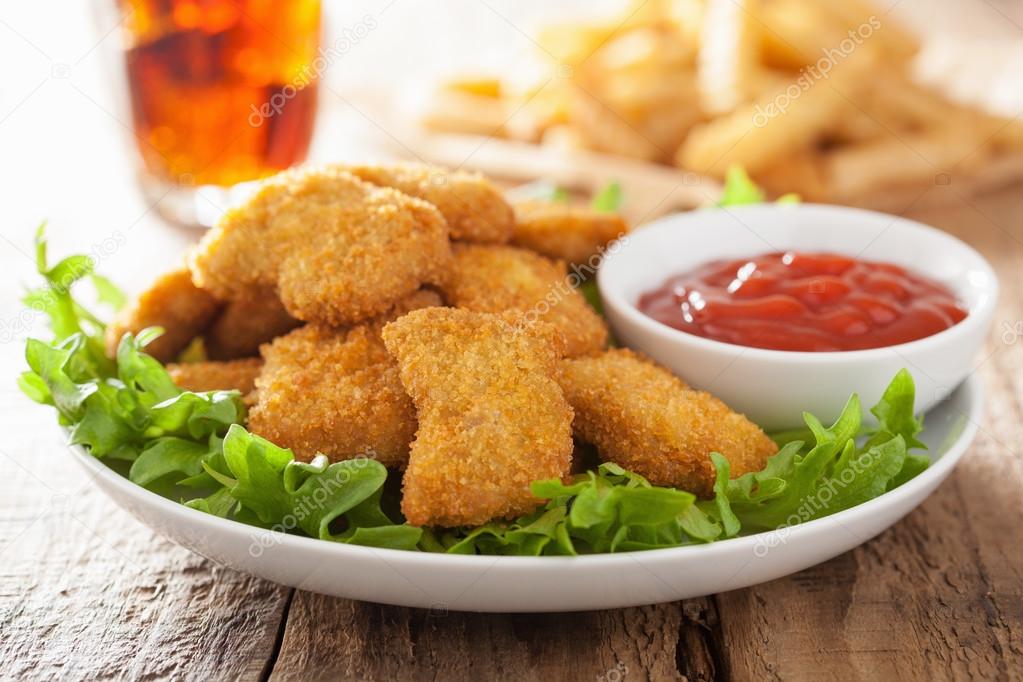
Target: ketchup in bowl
pixel 803 302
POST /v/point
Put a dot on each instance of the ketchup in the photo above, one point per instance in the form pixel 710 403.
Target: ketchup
pixel 803 302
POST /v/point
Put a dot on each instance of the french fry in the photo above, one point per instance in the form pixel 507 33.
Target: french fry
pixel 572 44
pixel 457 112
pixel 728 59
pixel 857 124
pixel 805 171
pixel 902 103
pixel 869 23
pixel 794 33
pixel 757 136
pixel 811 96
pixel 636 96
pixel 604 129
pixel 935 156
pixel 479 86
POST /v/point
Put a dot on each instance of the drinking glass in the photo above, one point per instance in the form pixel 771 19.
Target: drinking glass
pixel 220 92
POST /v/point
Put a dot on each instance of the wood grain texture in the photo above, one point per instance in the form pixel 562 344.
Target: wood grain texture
pixel 329 638
pixel 86 592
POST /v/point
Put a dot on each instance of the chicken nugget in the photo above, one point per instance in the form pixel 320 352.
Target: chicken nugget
pixel 172 302
pixel 474 209
pixel 238 375
pixel 495 279
pixel 645 419
pixel 336 392
pixel 569 233
pixel 421 298
pixel 246 324
pixel 492 418
pixel 338 250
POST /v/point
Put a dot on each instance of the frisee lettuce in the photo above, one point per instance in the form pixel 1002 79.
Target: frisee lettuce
pixel 609 199
pixel 192 447
pixel 740 190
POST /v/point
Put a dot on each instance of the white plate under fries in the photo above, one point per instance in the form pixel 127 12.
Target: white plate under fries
pixel 488 583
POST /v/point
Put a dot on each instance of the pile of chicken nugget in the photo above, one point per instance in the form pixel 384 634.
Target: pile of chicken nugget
pixel 412 315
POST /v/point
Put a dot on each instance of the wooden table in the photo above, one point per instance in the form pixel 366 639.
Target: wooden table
pixel 87 592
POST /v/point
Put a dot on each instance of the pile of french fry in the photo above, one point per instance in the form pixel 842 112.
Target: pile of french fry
pixel 811 96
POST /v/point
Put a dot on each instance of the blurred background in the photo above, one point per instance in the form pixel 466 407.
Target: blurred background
pixel 124 123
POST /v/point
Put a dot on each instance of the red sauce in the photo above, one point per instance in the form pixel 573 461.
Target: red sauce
pixel 803 302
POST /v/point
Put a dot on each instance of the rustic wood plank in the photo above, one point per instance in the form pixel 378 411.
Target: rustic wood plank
pixel 328 638
pixel 86 592
pixel 940 594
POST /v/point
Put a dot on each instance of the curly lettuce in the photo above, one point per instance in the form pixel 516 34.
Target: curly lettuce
pixel 740 190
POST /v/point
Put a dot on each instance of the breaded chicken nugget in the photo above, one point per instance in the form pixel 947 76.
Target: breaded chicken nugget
pixel 337 391
pixel 475 210
pixel 239 375
pixel 645 419
pixel 495 279
pixel 492 419
pixel 338 250
pixel 244 325
pixel 172 302
pixel 422 298
pixel 569 233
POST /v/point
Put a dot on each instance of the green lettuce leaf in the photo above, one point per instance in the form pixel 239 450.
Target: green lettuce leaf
pixel 609 199
pixel 839 470
pixel 740 190
pixel 287 494
pixel 68 317
pixel 606 510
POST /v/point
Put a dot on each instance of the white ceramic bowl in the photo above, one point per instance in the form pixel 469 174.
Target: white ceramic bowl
pixel 457 582
pixel 773 387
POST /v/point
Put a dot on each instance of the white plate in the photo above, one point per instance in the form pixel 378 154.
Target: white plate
pixel 504 584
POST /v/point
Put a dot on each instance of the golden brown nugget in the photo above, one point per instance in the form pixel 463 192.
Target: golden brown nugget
pixel 474 209
pixel 496 279
pixel 335 392
pixel 569 233
pixel 244 325
pixel 238 375
pixel 492 418
pixel 337 250
pixel 645 419
pixel 422 298
pixel 172 302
